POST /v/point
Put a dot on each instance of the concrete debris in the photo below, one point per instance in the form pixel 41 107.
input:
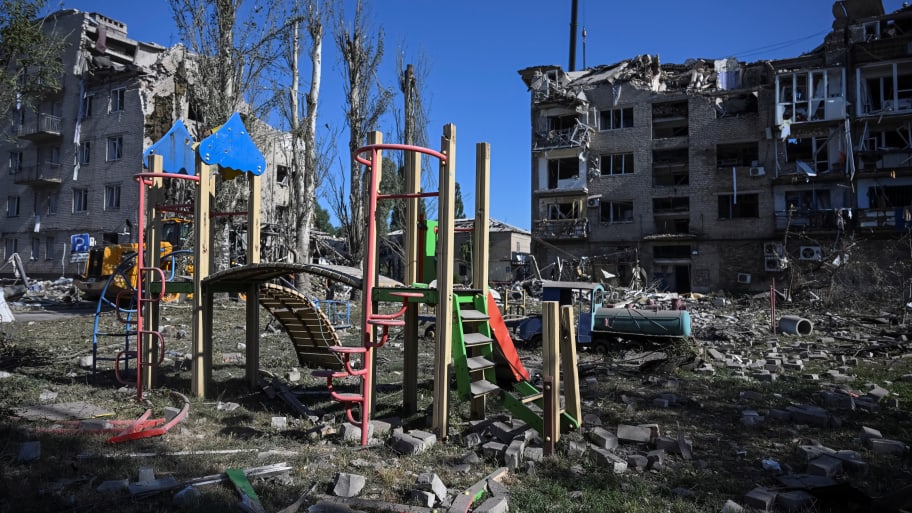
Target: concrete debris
pixel 348 485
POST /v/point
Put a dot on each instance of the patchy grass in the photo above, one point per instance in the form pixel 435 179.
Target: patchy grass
pixel 42 356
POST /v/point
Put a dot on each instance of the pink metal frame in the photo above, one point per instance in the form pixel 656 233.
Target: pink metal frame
pixel 369 319
pixel 144 180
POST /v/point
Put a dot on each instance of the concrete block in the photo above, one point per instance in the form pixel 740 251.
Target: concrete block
pixel 603 438
pixel 760 498
pixel 407 445
pixel 472 440
pixel 348 485
pixel 655 460
pixel 609 459
pixel 636 434
pixel 493 505
pixel 294 375
pixel 637 462
pixel 795 500
pixel 824 465
pixel 852 462
pixel 493 450
pixel 878 393
pixel 424 498
pixel 352 433
pixel 431 482
pixel 533 453
pixel 885 446
pixel 513 454
pixel 428 439
pixel 666 443
pixel 575 448
pixel 591 420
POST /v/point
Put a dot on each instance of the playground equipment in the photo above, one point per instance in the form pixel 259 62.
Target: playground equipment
pixel 468 329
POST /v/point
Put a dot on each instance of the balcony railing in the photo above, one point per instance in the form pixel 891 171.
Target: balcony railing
pixel 870 219
pixel 43 128
pixel 48 173
pixel 567 138
pixel 561 229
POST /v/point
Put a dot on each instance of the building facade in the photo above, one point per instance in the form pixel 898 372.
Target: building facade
pixel 72 159
pixel 718 174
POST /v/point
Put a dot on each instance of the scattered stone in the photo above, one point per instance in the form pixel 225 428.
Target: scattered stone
pixel 188 497
pixel 731 506
pixel 824 465
pixel 431 482
pixel 760 498
pixel 603 438
pixel 885 446
pixel 281 422
pixel 294 375
pixel 609 459
pixel 636 434
pixel 493 505
pixel 47 396
pixel 794 500
pixel 114 486
pixel 407 444
pixel 348 485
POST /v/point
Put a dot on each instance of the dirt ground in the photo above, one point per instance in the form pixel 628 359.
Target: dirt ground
pixel 743 405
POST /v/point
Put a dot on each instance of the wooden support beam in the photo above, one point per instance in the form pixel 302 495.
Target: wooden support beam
pixel 550 367
pixel 572 405
pixel 443 353
pixel 201 349
pixel 412 252
pixel 481 235
pixel 254 202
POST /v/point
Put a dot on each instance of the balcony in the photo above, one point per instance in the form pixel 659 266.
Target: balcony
pixel 45 128
pixel 48 173
pixel 561 229
pixel 575 137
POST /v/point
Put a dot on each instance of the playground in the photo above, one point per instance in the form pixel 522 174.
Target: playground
pixel 180 395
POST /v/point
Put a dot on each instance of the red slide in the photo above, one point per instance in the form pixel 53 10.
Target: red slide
pixel 504 342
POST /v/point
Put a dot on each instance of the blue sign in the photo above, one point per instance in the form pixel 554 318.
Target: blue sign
pixel 79 243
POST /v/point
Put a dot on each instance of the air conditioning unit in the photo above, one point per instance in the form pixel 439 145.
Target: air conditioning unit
pixel 772 249
pixel 773 264
pixel 810 253
pixel 757 171
pixel 593 202
pixel 744 278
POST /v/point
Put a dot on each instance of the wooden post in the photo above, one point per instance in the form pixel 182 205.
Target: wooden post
pixel 412 252
pixel 572 403
pixel 480 242
pixel 253 257
pixel 202 307
pixel 550 342
pixel 152 310
pixel 442 355
pixel 481 232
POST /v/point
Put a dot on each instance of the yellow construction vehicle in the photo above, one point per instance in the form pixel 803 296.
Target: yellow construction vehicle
pixel 111 269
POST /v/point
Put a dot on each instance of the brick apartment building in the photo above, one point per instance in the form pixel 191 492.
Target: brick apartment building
pixel 718 174
pixel 72 159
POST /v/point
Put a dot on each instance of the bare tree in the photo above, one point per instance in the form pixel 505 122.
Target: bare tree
pixel 231 49
pixel 308 160
pixel 366 101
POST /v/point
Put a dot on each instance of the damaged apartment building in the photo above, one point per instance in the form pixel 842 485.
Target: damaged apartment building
pixel 719 174
pixel 72 158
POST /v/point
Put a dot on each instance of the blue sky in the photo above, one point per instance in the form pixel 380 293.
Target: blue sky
pixel 474 49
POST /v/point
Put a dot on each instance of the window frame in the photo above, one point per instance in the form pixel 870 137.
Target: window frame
pixel 118 99
pixel 617 118
pixel 80 198
pixel 13 205
pixel 85 153
pixel 612 159
pixel 615 209
pixel 118 148
pixel 115 189
pixel 735 209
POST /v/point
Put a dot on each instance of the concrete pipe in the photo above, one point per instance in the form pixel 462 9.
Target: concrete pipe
pixel 795 325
